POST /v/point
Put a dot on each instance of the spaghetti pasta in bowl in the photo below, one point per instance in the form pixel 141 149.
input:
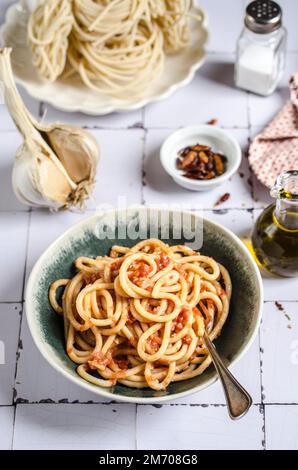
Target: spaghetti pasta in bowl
pixel 135 310
pixel 98 56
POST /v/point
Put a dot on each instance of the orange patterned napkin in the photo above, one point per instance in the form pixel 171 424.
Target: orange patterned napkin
pixel 276 149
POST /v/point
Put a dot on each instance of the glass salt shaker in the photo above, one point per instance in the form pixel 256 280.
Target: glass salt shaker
pixel 261 48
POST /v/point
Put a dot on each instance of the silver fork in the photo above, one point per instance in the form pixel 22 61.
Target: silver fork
pixel 237 398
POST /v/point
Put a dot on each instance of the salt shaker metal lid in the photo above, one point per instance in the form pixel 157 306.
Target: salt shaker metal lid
pixel 263 16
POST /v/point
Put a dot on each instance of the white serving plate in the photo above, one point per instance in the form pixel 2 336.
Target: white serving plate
pixel 71 94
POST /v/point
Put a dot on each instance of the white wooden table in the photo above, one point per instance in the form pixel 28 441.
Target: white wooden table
pixel 39 408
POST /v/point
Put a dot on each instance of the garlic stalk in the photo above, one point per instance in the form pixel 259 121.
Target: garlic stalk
pixel 55 166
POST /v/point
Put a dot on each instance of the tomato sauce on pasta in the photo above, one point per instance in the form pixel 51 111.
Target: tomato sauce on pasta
pixel 138 316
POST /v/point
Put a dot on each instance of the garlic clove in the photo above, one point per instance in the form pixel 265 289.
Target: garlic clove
pixel 32 184
pixel 76 149
pixel 22 183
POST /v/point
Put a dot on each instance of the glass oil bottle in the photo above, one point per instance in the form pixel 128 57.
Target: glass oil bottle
pixel 275 235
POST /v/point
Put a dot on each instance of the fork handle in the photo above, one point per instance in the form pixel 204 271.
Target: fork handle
pixel 237 398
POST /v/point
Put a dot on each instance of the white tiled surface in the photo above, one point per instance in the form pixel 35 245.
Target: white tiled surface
pixel 6 428
pixel 195 105
pixel 281 427
pixel 199 427
pixel 10 318
pixel 75 427
pixel 13 242
pixel 279 354
pixel 47 411
pixel 12 140
pixel 223 38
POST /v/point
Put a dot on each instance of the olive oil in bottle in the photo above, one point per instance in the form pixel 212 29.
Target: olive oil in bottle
pixel 275 235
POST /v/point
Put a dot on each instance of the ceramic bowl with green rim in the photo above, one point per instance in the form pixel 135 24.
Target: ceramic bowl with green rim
pixel 95 236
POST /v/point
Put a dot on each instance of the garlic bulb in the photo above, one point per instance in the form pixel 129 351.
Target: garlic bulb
pixel 55 166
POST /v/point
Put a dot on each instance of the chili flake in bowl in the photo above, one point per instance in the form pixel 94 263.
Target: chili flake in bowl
pixel 200 158
pixel 199 162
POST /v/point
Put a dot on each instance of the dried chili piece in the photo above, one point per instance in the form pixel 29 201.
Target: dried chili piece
pixel 199 162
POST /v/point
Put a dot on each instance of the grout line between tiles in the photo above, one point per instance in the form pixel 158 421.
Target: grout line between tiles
pixel 261 363
pixel 17 352
pixel 138 128
pixel 152 128
pixel 233 52
pixel 26 252
pixel 143 115
pixel 235 126
pixel 93 211
pixel 14 390
pixel 14 211
pixel 218 52
pixel 22 304
pixel 249 127
pixel 264 425
pixel 13 426
pixel 280 404
pixel 136 428
pixel 143 175
pixel 2 131
pixel 111 403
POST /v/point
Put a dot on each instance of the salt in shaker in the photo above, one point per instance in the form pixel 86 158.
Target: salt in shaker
pixel 261 48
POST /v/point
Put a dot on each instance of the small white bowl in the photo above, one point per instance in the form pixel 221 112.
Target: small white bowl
pixel 219 140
